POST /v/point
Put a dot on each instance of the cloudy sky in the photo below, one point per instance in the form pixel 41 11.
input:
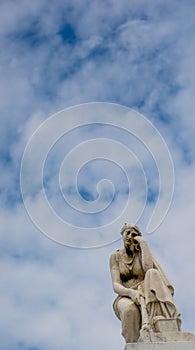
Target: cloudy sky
pixel 56 55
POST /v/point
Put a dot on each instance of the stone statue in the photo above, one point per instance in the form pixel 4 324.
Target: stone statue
pixel 145 303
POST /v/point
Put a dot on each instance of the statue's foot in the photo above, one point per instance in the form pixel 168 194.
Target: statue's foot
pixel 145 333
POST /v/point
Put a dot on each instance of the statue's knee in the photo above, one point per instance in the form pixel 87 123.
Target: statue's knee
pixel 153 272
pixel 132 311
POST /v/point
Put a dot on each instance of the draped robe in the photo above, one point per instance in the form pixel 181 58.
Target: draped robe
pixel 154 284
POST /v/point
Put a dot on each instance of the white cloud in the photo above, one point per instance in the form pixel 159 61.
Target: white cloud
pixel 138 54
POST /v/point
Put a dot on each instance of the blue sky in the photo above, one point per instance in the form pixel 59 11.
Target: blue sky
pixel 56 55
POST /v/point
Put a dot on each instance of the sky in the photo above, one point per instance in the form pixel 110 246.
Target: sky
pixel 83 58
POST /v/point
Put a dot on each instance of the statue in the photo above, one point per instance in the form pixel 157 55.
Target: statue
pixel 145 303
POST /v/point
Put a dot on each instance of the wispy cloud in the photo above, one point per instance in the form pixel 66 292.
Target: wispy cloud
pixel 55 55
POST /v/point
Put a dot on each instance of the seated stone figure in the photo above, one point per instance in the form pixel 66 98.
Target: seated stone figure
pixel 144 292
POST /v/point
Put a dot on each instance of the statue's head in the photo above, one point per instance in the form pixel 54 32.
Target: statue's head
pixel 130 227
pixel 129 232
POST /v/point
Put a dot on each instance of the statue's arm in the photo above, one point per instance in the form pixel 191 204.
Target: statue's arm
pixel 149 262
pixel 116 281
pixel 163 275
pixel 146 255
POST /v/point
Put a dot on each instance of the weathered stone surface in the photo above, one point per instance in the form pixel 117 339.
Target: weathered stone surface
pixel 155 337
pixel 161 346
pixel 165 325
pixel 145 295
pixel 171 336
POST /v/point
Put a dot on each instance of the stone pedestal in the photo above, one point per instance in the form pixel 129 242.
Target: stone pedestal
pixel 175 340
pixel 188 345
pixel 163 337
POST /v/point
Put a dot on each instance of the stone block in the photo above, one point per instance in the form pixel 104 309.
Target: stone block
pixel 165 324
pixel 188 345
pixel 156 337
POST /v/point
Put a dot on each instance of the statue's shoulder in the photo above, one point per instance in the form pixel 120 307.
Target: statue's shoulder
pixel 117 252
pixel 116 255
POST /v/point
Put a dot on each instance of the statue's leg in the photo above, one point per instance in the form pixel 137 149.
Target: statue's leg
pixel 130 318
pixel 158 296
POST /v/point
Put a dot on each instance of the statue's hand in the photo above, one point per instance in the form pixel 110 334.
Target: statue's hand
pixel 134 295
pixel 139 239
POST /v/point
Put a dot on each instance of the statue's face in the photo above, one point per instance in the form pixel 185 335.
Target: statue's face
pixel 128 236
